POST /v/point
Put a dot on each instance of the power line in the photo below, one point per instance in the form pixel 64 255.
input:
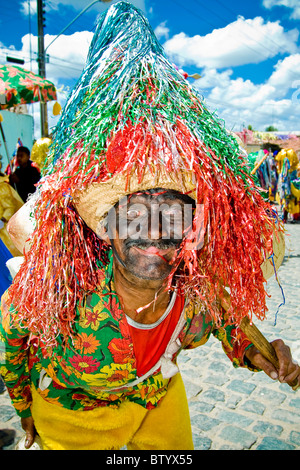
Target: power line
pixel 235 25
pixel 206 21
pixel 252 27
pixel 224 104
pixel 29 57
pixel 231 11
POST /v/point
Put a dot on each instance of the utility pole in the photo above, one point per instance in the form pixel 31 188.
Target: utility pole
pixel 42 52
pixel 41 63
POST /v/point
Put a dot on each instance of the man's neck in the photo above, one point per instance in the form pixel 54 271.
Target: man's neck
pixel 142 300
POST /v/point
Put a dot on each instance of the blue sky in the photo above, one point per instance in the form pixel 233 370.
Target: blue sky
pixel 247 52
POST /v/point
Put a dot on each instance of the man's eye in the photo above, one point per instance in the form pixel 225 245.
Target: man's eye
pixel 133 213
pixel 173 213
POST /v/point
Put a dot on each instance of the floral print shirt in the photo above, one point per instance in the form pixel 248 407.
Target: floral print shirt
pixel 99 367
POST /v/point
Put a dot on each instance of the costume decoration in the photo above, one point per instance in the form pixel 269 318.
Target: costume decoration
pixel 10 203
pixel 289 181
pixel 40 150
pixel 134 123
pixel 260 167
pixel 5 277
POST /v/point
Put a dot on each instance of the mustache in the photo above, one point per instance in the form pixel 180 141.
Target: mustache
pixel 159 244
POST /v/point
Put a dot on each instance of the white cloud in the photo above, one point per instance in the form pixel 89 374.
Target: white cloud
pixel 282 114
pixel 241 102
pixel 67 54
pixel 243 93
pixel 211 78
pixel 293 4
pixel 287 71
pixel 29 7
pixel 162 31
pixel 244 41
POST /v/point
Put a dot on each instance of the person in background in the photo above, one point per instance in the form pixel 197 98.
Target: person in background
pixel 26 175
pixel 10 203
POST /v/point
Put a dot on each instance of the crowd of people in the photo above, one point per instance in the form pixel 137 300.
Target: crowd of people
pixel 279 175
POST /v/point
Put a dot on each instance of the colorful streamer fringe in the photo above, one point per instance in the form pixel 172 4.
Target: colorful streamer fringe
pixel 131 111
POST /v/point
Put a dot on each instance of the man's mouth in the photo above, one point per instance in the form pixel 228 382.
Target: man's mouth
pixel 147 248
pixel 152 250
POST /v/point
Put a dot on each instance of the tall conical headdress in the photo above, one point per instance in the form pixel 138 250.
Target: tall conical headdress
pixel 133 122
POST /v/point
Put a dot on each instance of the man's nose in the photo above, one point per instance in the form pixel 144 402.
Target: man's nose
pixel 156 227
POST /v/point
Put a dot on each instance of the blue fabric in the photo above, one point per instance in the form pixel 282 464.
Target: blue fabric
pixel 5 277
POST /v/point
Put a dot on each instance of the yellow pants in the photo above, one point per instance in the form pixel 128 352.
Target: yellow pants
pixel 167 427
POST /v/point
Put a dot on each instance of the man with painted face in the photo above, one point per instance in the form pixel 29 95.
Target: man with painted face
pixel 146 213
pixel 152 225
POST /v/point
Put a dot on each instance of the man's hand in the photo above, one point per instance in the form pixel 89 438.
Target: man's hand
pixel 13 178
pixel 289 370
pixel 29 428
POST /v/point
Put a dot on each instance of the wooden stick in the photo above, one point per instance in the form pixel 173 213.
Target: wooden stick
pixel 257 338
pixel 259 341
pixel 259 163
pixel 262 344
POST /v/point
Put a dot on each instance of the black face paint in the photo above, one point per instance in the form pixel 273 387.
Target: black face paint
pixel 146 234
pixel 116 255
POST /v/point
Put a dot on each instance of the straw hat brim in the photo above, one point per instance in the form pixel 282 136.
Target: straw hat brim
pixel 94 202
pixel 267 266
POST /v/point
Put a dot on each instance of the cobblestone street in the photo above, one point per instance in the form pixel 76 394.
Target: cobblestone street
pixel 232 409
pixel 238 409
